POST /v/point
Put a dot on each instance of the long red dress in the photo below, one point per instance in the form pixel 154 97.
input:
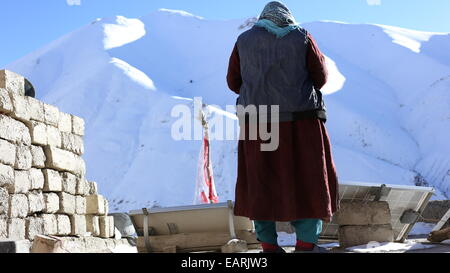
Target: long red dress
pixel 298 180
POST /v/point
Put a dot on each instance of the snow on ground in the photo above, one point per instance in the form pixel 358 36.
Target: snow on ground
pixel 389 247
pixel 408 38
pixel 289 240
pixel 122 31
pixel 286 239
pixel 387 99
pixel 329 245
pixel 125 249
pixel 423 229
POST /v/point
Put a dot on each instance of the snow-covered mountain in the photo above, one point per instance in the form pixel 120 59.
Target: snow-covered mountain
pixel 388 100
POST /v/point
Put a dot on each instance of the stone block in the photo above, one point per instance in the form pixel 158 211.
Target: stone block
pixel 23 157
pixel 77 125
pixel 3 227
pixel 69 183
pixel 95 205
pixel 93 225
pixel 51 203
pixel 111 226
pixel 16 229
pixel 64 227
pixel 361 235
pixel 50 224
pixel 36 109
pixel 6 105
pixel 110 243
pixel 22 247
pixel 51 115
pixel 12 82
pixel 4 201
pixel 22 182
pixel 65 123
pixel 67 203
pixel 64 161
pixel 22 109
pixel 106 206
pixel 93 188
pixel 38 157
pixel 72 143
pixel 53 181
pixel 37 179
pixel 47 244
pixel 36 202
pixel 38 132
pixel 18 206
pixel 81 169
pixel 14 131
pixel 78 223
pixel 96 245
pixel 106 224
pixel 52 244
pixel 80 206
pixel 34 226
pixel 363 213
pixel 83 187
pixel 7 153
pixel 6 176
pixel 53 136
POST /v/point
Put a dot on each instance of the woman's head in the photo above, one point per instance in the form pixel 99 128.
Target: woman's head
pixel 278 13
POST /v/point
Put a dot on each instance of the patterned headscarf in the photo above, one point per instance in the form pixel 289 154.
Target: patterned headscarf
pixel 278 13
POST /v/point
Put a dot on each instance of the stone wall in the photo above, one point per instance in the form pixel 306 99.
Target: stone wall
pixel 43 186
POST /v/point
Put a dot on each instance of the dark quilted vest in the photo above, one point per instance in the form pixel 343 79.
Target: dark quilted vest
pixel 274 72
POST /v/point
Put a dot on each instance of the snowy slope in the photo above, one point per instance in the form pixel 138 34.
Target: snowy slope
pixel 388 100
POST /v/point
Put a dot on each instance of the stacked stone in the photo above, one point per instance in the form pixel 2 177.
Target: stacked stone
pixel 43 186
pixel 362 222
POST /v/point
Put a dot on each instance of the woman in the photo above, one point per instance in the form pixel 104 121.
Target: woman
pixel 277 62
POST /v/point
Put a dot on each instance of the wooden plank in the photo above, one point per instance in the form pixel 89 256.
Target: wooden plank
pixel 442 222
pixel 190 242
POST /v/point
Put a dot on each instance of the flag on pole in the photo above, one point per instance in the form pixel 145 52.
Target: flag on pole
pixel 205 188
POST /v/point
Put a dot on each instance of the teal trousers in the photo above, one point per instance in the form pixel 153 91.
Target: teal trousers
pixel 307 230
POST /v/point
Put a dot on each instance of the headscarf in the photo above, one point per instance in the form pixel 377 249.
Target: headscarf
pixel 277 19
pixel 278 13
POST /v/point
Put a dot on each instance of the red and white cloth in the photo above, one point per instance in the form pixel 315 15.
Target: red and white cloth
pixel 205 188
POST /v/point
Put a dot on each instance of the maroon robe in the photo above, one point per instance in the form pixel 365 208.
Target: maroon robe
pixel 298 180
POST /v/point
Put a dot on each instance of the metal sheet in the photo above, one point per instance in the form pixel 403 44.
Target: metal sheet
pixel 189 219
pixel 400 198
pixel 214 217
